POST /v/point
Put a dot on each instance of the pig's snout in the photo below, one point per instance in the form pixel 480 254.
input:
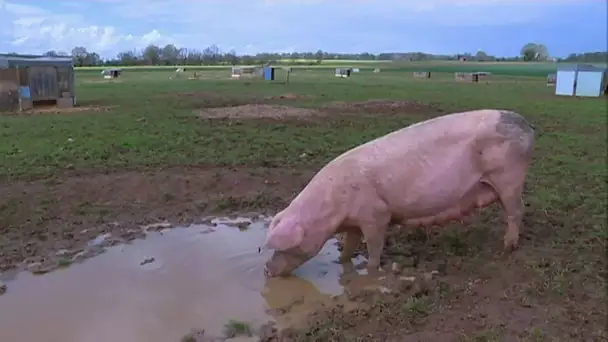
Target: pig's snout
pixel 283 263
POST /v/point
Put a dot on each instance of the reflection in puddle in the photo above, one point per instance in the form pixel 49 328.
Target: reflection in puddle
pixel 159 288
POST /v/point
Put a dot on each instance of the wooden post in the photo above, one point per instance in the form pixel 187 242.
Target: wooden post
pixel 19 88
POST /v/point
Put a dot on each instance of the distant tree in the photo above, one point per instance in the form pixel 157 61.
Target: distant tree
pixel 319 56
pixel 481 56
pixel 152 54
pixel 232 58
pixel 51 53
pixel 588 57
pixel 170 54
pixel 211 54
pixel 534 52
pixel 127 58
pixel 79 54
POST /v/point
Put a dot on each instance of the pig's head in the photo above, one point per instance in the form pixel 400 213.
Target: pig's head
pixel 289 241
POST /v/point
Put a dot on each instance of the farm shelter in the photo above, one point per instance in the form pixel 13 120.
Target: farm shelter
pixel 422 74
pixel 551 79
pixel 246 71
pixel 343 72
pixel 27 82
pixel 581 80
pixel 111 73
pixel 269 73
pixel 466 77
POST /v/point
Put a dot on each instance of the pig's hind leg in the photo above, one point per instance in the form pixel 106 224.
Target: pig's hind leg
pixel 509 185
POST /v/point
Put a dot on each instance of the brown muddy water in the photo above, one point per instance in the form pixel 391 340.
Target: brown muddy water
pixel 161 287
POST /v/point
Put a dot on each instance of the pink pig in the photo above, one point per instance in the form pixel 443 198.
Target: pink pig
pixel 424 174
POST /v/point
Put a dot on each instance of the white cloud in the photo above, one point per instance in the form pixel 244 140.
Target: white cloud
pixel 111 26
pixel 32 29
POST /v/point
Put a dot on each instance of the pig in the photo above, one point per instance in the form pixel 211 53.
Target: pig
pixel 424 174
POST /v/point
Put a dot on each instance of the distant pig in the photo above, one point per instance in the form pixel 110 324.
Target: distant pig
pixel 427 173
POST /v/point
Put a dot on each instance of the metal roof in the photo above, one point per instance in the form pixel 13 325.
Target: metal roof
pixel 13 61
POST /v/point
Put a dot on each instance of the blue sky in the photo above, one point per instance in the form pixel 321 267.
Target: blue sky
pixel 499 27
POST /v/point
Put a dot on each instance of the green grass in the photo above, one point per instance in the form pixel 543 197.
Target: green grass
pixel 536 69
pixel 149 125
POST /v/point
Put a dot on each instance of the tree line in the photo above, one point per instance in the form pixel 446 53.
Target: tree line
pixel 153 55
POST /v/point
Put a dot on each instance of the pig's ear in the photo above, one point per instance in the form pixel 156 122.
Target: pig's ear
pixel 285 236
pixel 275 220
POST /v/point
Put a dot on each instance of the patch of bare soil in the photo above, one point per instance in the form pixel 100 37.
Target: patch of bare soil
pixel 382 106
pixel 200 94
pixel 249 99
pixel 44 220
pixel 289 96
pixel 256 111
pixel 57 110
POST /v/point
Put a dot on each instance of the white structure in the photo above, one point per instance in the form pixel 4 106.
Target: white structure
pixel 343 72
pixel 246 71
pixel 581 80
pixel 111 73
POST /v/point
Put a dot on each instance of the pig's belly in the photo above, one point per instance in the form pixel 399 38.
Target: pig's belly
pixel 448 189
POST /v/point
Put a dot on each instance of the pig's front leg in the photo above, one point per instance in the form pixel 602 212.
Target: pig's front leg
pixel 374 239
pixel 373 220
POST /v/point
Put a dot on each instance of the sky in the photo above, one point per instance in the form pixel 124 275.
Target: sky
pixel 498 27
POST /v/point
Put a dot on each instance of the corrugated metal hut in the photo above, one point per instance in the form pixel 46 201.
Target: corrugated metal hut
pixel 27 82
pixel 422 74
pixel 343 72
pixel 581 80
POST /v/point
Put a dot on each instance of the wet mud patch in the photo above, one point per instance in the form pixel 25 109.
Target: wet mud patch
pixel 207 277
pixel 258 111
pixel 45 221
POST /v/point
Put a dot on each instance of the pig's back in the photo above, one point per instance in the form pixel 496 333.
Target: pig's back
pixel 422 140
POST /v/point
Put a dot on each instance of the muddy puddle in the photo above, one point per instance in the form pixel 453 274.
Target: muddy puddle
pixel 161 287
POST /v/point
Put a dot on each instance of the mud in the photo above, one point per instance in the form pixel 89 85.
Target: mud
pixel 256 111
pixel 202 277
pixel 289 96
pixel 45 221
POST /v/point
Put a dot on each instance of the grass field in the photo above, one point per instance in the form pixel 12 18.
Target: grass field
pixel 146 149
pixel 540 69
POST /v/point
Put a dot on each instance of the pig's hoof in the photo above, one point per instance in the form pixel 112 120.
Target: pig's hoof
pixel 510 244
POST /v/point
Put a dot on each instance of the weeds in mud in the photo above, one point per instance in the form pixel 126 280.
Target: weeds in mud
pixel 483 336
pixel 234 328
pixel 418 305
pixel 554 278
